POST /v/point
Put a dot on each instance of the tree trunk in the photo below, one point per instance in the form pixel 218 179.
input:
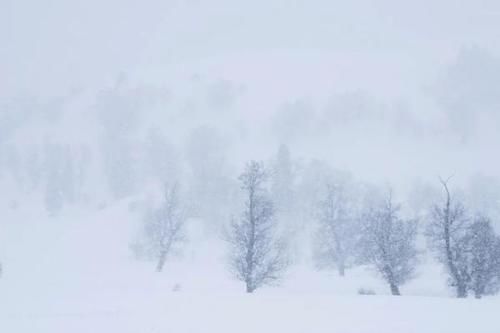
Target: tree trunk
pixel 341 268
pixel 340 254
pixel 251 244
pixel 395 290
pixel 450 261
pixel 461 291
pixel 478 291
pixel 390 278
pixel 161 261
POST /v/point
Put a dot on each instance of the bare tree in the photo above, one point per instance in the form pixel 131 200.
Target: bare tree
pixel 446 234
pixel 338 229
pixel 483 247
pixel 164 228
pixel 257 255
pixel 282 182
pixel 388 243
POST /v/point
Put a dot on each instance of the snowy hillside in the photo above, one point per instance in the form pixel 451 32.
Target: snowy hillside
pixel 76 274
pixel 225 166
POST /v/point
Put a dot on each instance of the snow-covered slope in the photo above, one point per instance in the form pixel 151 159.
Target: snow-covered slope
pixel 75 273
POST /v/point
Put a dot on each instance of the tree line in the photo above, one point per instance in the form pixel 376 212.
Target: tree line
pixel 350 229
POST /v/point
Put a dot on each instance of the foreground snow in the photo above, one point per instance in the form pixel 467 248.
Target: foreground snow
pixel 77 275
pixel 185 312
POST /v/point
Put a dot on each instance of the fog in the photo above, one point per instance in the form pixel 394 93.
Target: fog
pixel 103 103
pixel 419 81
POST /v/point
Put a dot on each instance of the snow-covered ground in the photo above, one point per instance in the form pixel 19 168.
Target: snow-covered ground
pixel 75 273
pixel 165 311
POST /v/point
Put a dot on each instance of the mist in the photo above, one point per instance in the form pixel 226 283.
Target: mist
pixel 124 120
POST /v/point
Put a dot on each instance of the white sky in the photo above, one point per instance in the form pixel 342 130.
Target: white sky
pixel 279 51
pixel 48 45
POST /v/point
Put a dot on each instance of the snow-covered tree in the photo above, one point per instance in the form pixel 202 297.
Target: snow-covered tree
pixel 33 166
pixel 61 180
pixel 120 113
pixel 282 181
pixel 257 256
pixel 483 248
pixel 53 195
pixel 338 230
pixel 388 243
pixel 160 158
pixel 120 166
pixel 446 233
pixel 164 226
pixel 210 186
pixel 68 177
pixel 54 182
